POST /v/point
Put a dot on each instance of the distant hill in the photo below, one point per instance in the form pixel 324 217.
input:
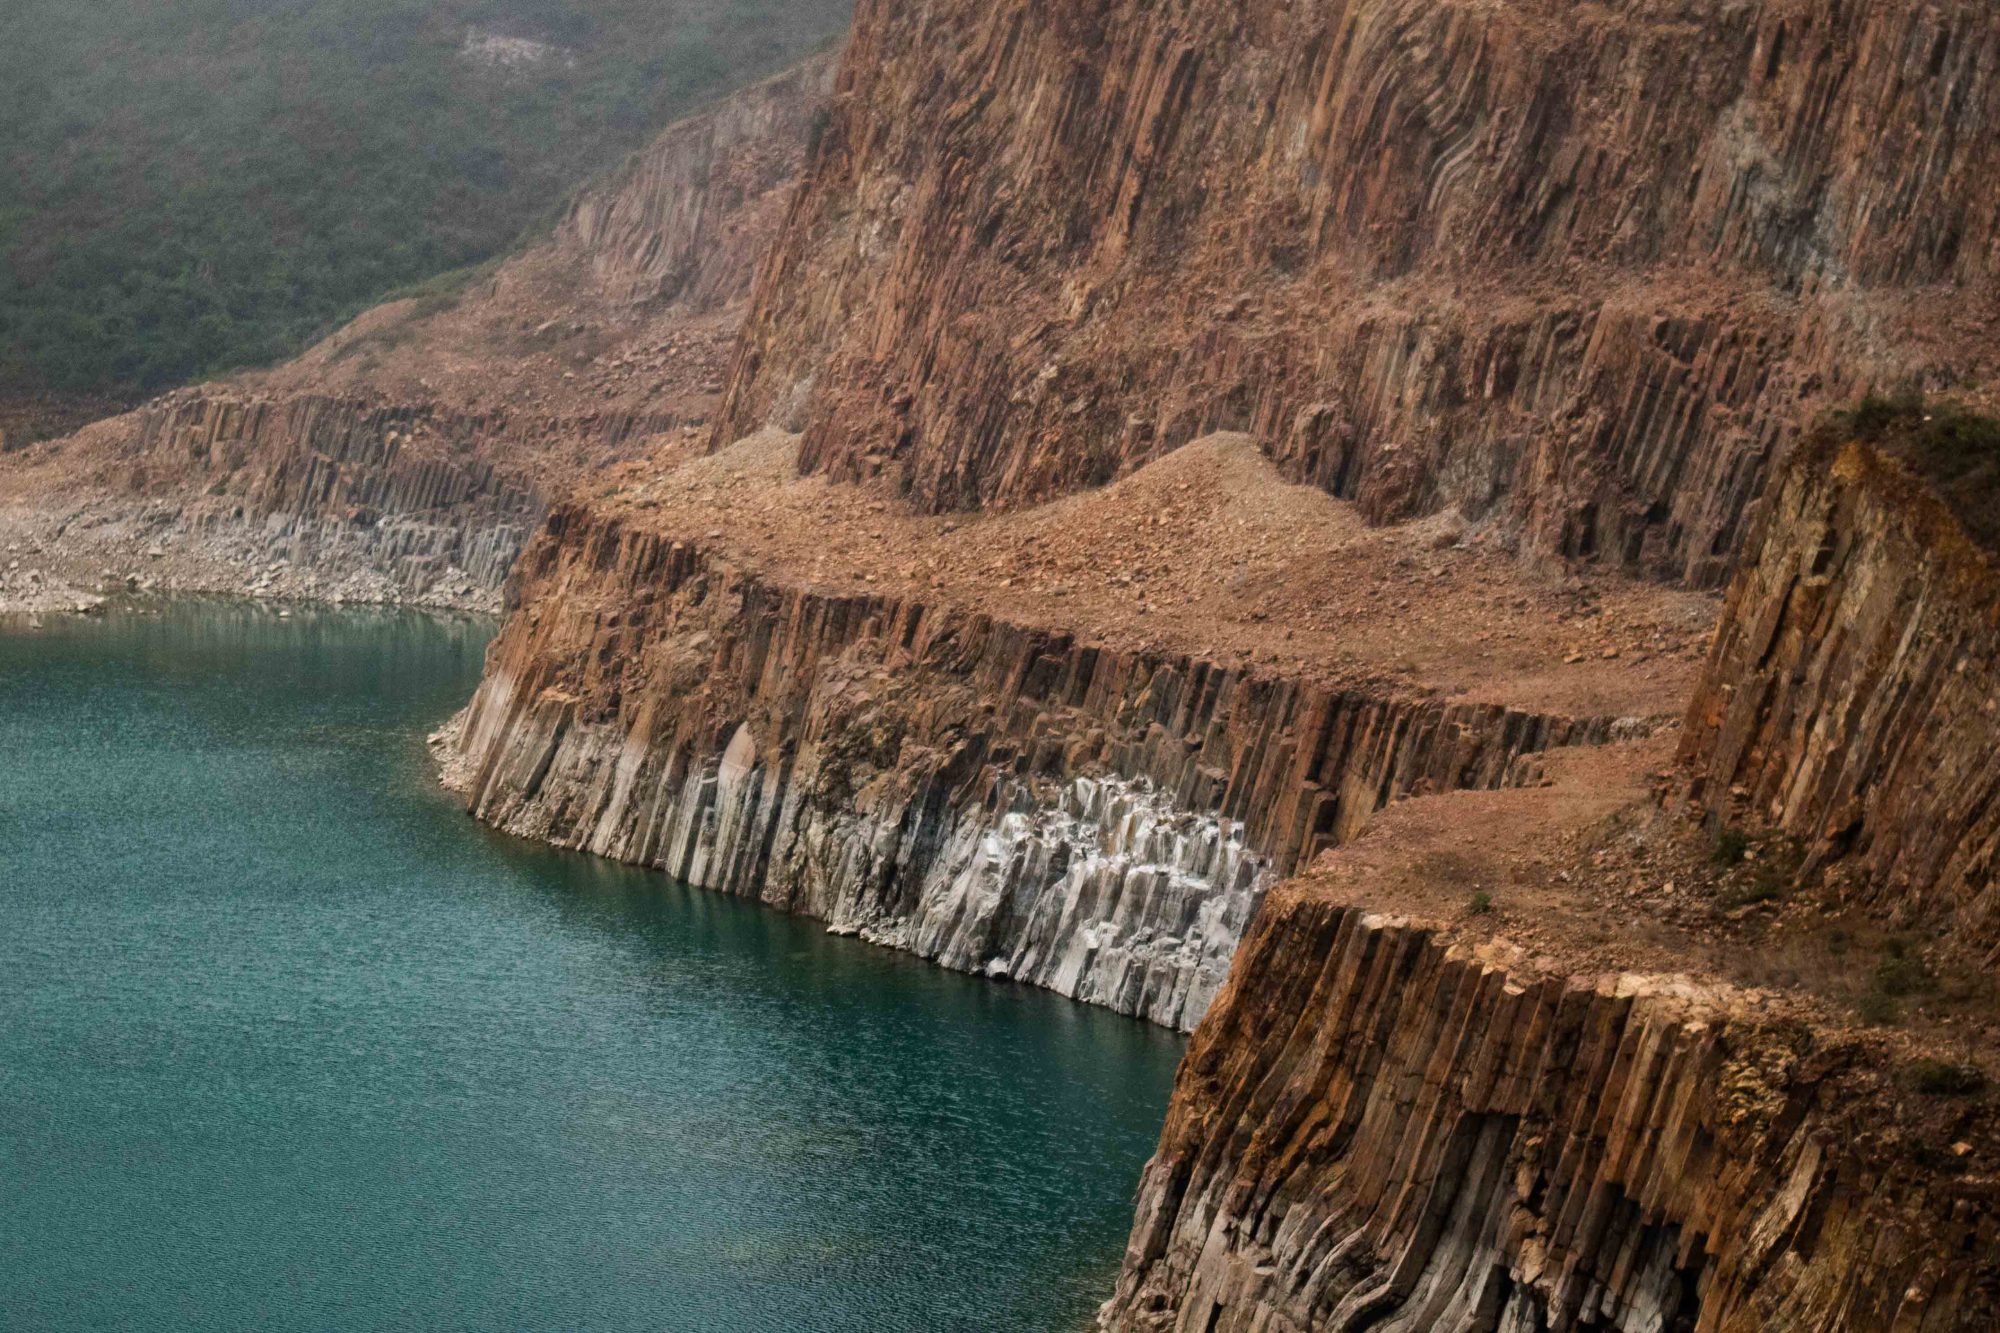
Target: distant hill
pixel 190 187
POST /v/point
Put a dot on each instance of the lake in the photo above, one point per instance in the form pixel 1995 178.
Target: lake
pixel 287 1041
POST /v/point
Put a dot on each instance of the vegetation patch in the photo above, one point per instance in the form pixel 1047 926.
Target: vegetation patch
pixel 1877 1008
pixel 1945 1078
pixel 1731 844
pixel 1754 871
pixel 1901 972
pixel 191 187
pixel 1953 448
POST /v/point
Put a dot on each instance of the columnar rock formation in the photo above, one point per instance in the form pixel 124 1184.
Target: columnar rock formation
pixel 338 482
pixel 999 797
pixel 1581 266
pixel 1581 273
pixel 686 221
pixel 1850 697
pixel 1388 1125
pixel 1396 1118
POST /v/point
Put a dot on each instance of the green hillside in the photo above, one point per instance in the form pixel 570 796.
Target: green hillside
pixel 192 185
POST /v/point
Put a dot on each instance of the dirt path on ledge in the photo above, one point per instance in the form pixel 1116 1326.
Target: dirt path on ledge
pixel 1208 551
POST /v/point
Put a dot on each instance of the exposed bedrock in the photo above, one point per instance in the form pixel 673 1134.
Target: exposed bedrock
pixel 343 481
pixel 1005 799
pixel 1583 267
pixel 1850 696
pixel 687 218
pixel 1382 1126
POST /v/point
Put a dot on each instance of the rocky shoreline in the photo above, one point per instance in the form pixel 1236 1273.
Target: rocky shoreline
pixel 70 560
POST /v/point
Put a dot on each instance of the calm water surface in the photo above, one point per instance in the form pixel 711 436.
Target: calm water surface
pixel 288 1042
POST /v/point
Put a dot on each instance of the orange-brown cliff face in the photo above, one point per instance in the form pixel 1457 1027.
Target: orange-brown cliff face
pixel 1559 1057
pixel 1583 266
pixel 1351 303
pixel 1214 310
pixel 1850 697
pixel 409 455
pixel 1095 810
pixel 1412 1111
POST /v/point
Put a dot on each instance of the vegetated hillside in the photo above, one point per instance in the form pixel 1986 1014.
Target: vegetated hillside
pixel 190 187
pixel 410 453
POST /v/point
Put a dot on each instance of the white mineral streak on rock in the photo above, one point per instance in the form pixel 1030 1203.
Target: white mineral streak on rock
pixel 1111 895
pixel 1096 888
pixel 1103 892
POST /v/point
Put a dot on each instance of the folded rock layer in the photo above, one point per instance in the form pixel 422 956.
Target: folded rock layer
pixel 1577 266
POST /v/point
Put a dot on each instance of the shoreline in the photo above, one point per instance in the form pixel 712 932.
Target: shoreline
pixel 71 558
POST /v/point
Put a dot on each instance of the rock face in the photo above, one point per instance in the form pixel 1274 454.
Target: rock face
pixel 1576 266
pixel 1003 799
pixel 1849 699
pixel 1382 1127
pixel 687 220
pixel 1579 271
pixel 342 482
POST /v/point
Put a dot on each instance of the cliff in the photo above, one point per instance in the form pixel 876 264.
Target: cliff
pixel 1413 1110
pixel 1849 696
pixel 685 222
pixel 1581 267
pixel 1194 474
pixel 1562 1057
pixel 1109 548
pixel 348 482
pixel 949 769
pixel 409 455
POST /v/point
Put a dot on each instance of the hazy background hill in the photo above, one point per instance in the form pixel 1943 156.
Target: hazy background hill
pixel 192 186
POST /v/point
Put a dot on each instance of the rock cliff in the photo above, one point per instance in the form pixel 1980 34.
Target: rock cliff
pixel 1850 696
pixel 345 482
pixel 1109 548
pixel 1389 1124
pixel 1199 473
pixel 1578 266
pixel 1003 797
pixel 686 221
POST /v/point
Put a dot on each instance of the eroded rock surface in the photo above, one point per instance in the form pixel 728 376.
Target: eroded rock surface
pixel 1400 1116
pixel 1002 797
pixel 1531 297
pixel 1582 266
pixel 1357 396
pixel 1850 697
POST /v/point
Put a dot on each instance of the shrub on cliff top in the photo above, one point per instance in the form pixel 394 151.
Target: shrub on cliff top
pixel 1953 448
pixel 1944 1078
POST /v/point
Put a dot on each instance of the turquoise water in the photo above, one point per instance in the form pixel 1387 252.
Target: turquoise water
pixel 288 1042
